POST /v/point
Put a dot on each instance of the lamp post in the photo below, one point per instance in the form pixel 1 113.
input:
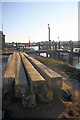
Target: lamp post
pixel 49 36
pixel 58 42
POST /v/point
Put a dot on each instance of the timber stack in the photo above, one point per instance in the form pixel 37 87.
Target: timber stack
pixel 28 79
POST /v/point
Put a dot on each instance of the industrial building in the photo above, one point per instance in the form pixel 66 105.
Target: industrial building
pixel 2 40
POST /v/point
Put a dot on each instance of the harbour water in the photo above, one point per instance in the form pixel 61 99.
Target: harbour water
pixel 75 63
pixel 9 59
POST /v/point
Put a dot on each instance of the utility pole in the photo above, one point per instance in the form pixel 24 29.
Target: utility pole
pixel 71 54
pixel 58 47
pixel 2 27
pixel 58 42
pixel 49 36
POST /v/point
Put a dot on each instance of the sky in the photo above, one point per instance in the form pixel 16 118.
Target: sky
pixel 79 21
pixel 24 20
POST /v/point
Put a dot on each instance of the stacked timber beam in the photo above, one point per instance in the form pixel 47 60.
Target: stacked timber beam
pixel 36 81
pixel 21 84
pixel 53 79
pixel 9 76
pixel 25 78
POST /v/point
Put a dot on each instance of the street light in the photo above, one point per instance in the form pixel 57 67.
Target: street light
pixel 49 36
pixel 49 32
pixel 58 42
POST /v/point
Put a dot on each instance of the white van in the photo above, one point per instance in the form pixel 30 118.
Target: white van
pixel 76 49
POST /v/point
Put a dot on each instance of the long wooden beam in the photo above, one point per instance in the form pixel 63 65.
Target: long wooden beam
pixel 21 84
pixel 36 81
pixel 9 75
pixel 53 79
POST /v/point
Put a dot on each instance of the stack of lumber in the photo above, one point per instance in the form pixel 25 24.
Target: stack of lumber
pixel 36 81
pixel 53 79
pixel 21 84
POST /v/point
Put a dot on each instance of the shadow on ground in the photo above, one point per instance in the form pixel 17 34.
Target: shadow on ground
pixel 14 109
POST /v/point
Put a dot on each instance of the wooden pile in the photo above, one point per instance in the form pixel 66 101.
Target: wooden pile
pixel 26 78
pixel 53 79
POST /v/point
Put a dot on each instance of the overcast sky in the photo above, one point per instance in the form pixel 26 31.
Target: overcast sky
pixel 24 19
